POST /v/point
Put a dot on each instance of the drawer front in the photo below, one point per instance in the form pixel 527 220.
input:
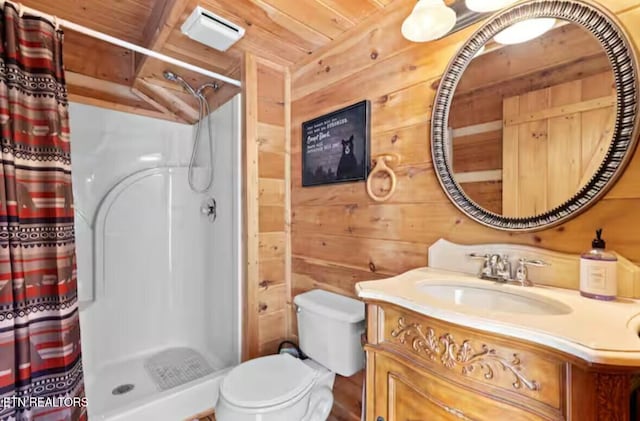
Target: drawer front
pixel 402 393
pixel 490 364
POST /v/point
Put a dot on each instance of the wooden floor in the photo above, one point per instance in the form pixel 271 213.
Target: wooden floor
pixel 347 393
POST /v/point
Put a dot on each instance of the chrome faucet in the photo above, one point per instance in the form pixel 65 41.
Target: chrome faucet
pixel 486 270
pixel 496 267
pixel 503 268
pixel 522 272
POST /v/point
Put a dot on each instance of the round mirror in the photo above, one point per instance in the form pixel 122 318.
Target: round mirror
pixel 535 117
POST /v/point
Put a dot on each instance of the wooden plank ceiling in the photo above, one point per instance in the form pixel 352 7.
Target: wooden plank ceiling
pixel 282 31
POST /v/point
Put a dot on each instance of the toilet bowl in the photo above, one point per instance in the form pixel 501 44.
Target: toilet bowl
pixel 276 388
pixel 285 388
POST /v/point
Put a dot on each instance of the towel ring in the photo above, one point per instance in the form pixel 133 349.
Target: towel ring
pixel 383 164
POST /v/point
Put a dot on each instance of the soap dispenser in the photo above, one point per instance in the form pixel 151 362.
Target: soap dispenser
pixel 598 271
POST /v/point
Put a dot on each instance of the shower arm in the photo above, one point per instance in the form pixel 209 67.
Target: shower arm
pixel 215 86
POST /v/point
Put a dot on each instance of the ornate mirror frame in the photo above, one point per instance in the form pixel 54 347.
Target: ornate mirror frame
pixel 622 57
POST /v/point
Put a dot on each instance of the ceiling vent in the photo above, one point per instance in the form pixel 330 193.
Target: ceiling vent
pixel 212 30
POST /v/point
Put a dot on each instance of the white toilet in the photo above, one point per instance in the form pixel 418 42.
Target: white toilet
pixel 284 388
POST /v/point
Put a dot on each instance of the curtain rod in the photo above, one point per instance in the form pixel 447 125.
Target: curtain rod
pixel 121 43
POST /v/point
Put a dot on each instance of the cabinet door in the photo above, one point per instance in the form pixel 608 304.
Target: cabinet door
pixel 399 392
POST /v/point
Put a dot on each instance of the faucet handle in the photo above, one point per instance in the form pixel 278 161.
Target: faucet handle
pixel 503 260
pixel 485 257
pixel 474 255
pixel 533 262
pixel 486 269
pixel 522 273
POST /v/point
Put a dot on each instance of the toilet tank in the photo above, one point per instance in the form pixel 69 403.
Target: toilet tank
pixel 329 330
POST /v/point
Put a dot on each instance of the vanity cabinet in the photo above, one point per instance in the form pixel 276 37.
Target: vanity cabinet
pixel 421 368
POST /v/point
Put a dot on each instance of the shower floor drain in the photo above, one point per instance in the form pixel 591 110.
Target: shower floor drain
pixel 122 389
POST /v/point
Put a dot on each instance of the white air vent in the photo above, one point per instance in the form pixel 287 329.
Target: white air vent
pixel 212 30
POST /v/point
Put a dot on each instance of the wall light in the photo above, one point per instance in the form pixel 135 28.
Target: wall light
pixel 524 31
pixel 483 6
pixel 429 20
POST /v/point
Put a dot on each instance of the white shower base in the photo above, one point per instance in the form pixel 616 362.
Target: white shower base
pixel 147 400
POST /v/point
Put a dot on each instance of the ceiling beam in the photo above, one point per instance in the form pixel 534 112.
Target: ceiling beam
pixel 155 104
pixel 165 16
pixel 156 18
pixel 222 96
pixel 118 106
pixel 168 99
pixel 88 56
pixel 105 94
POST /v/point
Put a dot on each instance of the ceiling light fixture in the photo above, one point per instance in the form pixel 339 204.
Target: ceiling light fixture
pixel 484 6
pixel 429 20
pixel 524 31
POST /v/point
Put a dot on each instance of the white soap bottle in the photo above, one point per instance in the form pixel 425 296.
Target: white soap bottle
pixel 598 271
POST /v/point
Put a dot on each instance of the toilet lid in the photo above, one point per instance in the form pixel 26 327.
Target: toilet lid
pixel 267 381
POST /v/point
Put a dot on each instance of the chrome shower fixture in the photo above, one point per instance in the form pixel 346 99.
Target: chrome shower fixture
pixel 175 78
pixel 203 114
pixel 210 209
pixel 215 86
pixel 170 76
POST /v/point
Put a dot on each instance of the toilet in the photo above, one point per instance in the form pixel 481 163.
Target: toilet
pixel 284 388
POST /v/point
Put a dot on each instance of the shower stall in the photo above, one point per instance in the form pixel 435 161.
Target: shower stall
pixel 158 261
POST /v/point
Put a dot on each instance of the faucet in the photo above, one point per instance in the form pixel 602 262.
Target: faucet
pixel 497 267
pixel 503 268
pixel 486 270
pixel 522 272
pixel 494 267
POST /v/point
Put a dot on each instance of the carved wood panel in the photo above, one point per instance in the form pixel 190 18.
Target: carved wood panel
pixel 461 356
pixel 485 361
pixel 401 393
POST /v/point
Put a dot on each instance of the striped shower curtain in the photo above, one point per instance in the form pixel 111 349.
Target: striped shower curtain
pixel 40 360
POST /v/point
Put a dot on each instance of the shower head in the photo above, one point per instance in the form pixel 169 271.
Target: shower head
pixel 175 78
pixel 170 76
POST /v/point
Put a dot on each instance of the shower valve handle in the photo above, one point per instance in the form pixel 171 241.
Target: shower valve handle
pixel 210 209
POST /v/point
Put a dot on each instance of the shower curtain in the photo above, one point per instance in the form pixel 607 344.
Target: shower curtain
pixel 40 360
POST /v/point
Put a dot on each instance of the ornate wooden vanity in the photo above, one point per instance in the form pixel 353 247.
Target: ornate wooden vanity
pixel 443 344
pixel 420 368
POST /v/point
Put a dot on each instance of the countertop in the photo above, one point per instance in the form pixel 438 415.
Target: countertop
pixel 595 331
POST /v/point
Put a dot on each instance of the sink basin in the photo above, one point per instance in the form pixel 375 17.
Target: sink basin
pixel 494 299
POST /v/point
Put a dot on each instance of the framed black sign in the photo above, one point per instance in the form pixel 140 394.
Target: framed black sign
pixel 335 147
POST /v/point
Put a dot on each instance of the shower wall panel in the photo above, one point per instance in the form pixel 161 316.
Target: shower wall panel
pixel 154 272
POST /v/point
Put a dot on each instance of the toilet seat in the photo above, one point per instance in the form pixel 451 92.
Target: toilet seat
pixel 267 382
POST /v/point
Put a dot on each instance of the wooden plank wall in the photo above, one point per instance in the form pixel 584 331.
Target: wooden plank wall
pixel 267 196
pixel 340 236
pixel 554 141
